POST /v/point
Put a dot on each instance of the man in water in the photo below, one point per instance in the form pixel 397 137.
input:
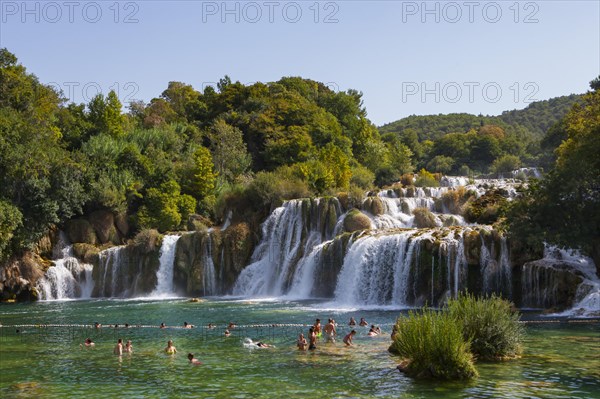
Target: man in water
pixel 193 360
pixel 348 338
pixel 352 322
pixel 88 343
pixel 363 322
pixel 373 331
pixel 227 333
pixel 119 348
pixel 170 349
pixel 302 342
pixel 186 325
pixel 330 331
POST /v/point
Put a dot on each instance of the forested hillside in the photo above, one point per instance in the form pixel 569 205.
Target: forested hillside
pixel 523 139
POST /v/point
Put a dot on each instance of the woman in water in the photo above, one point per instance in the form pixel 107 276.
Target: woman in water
pixel 363 322
pixel 352 322
pixel 88 343
pixel 312 336
pixel 128 347
pixel 373 331
pixel 170 349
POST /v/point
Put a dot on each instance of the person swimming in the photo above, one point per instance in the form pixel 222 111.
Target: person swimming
pixel 193 360
pixel 162 325
pixel 227 333
pixel 187 325
pixel 348 338
pixel 363 322
pixel 373 331
pixel 352 322
pixel 170 349
pixel 88 343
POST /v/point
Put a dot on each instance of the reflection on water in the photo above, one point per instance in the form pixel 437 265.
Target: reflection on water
pixel 561 361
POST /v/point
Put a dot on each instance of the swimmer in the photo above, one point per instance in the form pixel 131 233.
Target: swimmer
pixel 231 325
pixel 88 343
pixel 301 343
pixel 372 331
pixel 128 347
pixel 186 325
pixel 97 325
pixel 227 333
pixel 126 325
pixel 312 336
pixel 193 360
pixel 348 338
pixel 162 325
pixel 263 345
pixel 170 349
pixel 211 325
pixel 352 322
pixel 116 326
pixel 317 328
pixel 118 348
pixel 363 322
pixel 330 331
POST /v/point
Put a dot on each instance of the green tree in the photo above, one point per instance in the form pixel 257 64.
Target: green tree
pixel 229 151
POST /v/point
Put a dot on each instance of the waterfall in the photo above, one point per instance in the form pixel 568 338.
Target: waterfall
pixel 110 263
pixel 209 280
pixel 289 234
pixel 68 278
pixel 164 274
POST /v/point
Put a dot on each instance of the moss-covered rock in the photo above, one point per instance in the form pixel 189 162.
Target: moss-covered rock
pixel 374 205
pixel 86 252
pixel 103 222
pixel 80 230
pixel 549 284
pixel 355 220
pixel 424 218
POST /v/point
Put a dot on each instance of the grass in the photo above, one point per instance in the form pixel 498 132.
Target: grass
pixel 490 325
pixel 444 344
pixel 433 344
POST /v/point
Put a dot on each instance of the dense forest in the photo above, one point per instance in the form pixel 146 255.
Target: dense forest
pixel 187 156
pixel 465 143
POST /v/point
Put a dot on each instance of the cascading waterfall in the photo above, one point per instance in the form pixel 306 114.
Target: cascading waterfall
pixel 110 263
pixel 209 279
pixel 68 278
pixel 289 234
pixel 164 275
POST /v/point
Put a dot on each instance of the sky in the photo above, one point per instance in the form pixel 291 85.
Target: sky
pixel 406 57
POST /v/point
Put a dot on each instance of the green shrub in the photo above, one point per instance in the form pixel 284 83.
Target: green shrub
pixel 426 179
pixel 147 240
pixel 362 177
pixel 485 209
pixel 490 324
pixel 433 345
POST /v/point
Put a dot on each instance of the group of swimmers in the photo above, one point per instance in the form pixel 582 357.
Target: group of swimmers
pixel 316 331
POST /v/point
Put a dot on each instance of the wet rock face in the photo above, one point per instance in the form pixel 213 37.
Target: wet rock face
pixel 80 230
pixel 18 277
pixel 100 227
pixel 547 283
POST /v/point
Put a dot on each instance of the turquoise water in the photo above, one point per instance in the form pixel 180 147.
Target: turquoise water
pixel 561 360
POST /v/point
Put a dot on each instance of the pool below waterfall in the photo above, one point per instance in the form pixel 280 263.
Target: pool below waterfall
pixel 40 354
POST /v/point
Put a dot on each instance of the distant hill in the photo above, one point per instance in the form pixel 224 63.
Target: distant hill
pixel 537 118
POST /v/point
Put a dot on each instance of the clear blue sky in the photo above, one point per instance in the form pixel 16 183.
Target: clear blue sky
pixel 390 50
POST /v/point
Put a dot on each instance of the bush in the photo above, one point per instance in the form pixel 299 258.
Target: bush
pixel 433 345
pixel 485 209
pixel 355 220
pixel 147 240
pixel 426 179
pixel 362 177
pixel 453 201
pixel 489 324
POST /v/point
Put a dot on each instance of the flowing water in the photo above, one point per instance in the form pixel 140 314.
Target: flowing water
pixel 560 360
pixel 164 275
